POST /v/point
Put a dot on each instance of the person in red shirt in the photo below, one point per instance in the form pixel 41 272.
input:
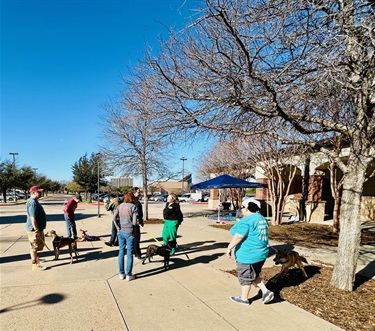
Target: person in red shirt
pixel 69 210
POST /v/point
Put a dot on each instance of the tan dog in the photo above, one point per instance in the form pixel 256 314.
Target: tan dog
pixel 86 237
pixel 288 260
pixel 60 242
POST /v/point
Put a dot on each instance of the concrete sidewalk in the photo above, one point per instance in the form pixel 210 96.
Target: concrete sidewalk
pixel 88 295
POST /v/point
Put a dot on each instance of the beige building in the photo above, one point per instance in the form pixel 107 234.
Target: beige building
pixel 178 187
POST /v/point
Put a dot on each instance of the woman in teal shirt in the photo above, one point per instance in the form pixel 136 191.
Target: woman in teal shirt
pixel 250 243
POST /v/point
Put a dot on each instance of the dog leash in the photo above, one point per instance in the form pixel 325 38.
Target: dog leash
pixel 151 235
pixel 272 247
pixel 44 243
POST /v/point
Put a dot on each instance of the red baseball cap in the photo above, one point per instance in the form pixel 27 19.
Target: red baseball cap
pixel 35 189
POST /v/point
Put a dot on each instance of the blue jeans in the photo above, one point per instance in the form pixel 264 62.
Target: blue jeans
pixel 125 241
pixel 70 225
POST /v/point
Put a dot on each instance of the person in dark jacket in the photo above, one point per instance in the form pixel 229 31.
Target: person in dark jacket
pixel 137 229
pixel 112 206
pixel 172 220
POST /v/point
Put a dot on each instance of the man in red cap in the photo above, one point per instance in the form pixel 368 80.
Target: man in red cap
pixel 35 224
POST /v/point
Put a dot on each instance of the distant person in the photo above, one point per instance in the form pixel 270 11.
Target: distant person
pixel 172 220
pixel 250 243
pixel 112 206
pixel 69 217
pixel 137 228
pixel 127 212
pixel 35 224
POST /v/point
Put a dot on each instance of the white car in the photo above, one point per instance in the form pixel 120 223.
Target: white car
pixel 185 198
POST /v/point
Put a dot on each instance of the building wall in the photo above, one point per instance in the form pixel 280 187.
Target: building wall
pixel 168 187
pixel 121 181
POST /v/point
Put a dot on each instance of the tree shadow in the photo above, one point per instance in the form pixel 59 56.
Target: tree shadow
pixel 180 262
pixel 21 218
pixel 48 299
pixel 364 275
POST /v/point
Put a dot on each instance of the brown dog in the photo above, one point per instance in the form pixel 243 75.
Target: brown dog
pixel 164 251
pixel 288 260
pixel 60 242
pixel 86 237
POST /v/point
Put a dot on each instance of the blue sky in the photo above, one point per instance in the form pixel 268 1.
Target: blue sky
pixel 60 62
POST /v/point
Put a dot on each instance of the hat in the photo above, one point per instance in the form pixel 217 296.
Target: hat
pixel 35 189
pixel 246 202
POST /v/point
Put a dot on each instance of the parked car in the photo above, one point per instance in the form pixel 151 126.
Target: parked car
pixel 190 197
pixel 154 197
pixel 185 197
pixel 104 198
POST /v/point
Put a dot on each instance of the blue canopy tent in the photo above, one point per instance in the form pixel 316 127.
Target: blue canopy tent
pixel 226 181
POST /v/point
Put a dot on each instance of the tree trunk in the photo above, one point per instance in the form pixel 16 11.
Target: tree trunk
pixel 336 214
pixel 350 226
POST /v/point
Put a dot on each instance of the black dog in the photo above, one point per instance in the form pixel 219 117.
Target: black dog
pixel 164 251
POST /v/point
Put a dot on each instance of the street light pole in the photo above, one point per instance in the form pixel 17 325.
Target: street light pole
pixel 183 159
pixel 98 155
pixel 35 169
pixel 14 172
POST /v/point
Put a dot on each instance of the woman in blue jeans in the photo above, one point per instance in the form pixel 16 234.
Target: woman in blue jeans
pixel 127 213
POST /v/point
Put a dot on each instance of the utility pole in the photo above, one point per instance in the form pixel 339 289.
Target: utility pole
pixel 98 155
pixel 14 173
pixel 183 159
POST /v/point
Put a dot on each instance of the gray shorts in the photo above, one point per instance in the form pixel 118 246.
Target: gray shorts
pixel 247 273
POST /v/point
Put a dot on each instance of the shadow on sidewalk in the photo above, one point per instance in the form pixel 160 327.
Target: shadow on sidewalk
pixel 51 298
pixel 182 260
pixel 21 218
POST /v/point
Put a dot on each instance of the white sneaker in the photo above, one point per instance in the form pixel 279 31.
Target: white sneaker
pixel 129 278
pixel 121 276
pixel 38 267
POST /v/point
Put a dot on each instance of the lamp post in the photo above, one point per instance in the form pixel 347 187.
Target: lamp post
pixel 183 159
pixel 35 169
pixel 98 155
pixel 14 172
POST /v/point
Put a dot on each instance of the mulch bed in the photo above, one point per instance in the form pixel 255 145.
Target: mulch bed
pixel 351 311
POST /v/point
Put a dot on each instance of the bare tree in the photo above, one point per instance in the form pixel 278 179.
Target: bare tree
pixel 135 144
pixel 229 157
pixel 245 63
pixel 279 164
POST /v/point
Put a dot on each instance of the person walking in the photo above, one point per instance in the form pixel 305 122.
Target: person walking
pixel 70 222
pixel 112 206
pixel 137 228
pixel 35 224
pixel 127 212
pixel 172 220
pixel 250 244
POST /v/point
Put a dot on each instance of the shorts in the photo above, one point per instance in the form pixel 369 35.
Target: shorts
pixel 36 240
pixel 247 273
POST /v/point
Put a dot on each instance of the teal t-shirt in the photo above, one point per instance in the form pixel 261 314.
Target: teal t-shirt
pixel 253 248
pixel 35 209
